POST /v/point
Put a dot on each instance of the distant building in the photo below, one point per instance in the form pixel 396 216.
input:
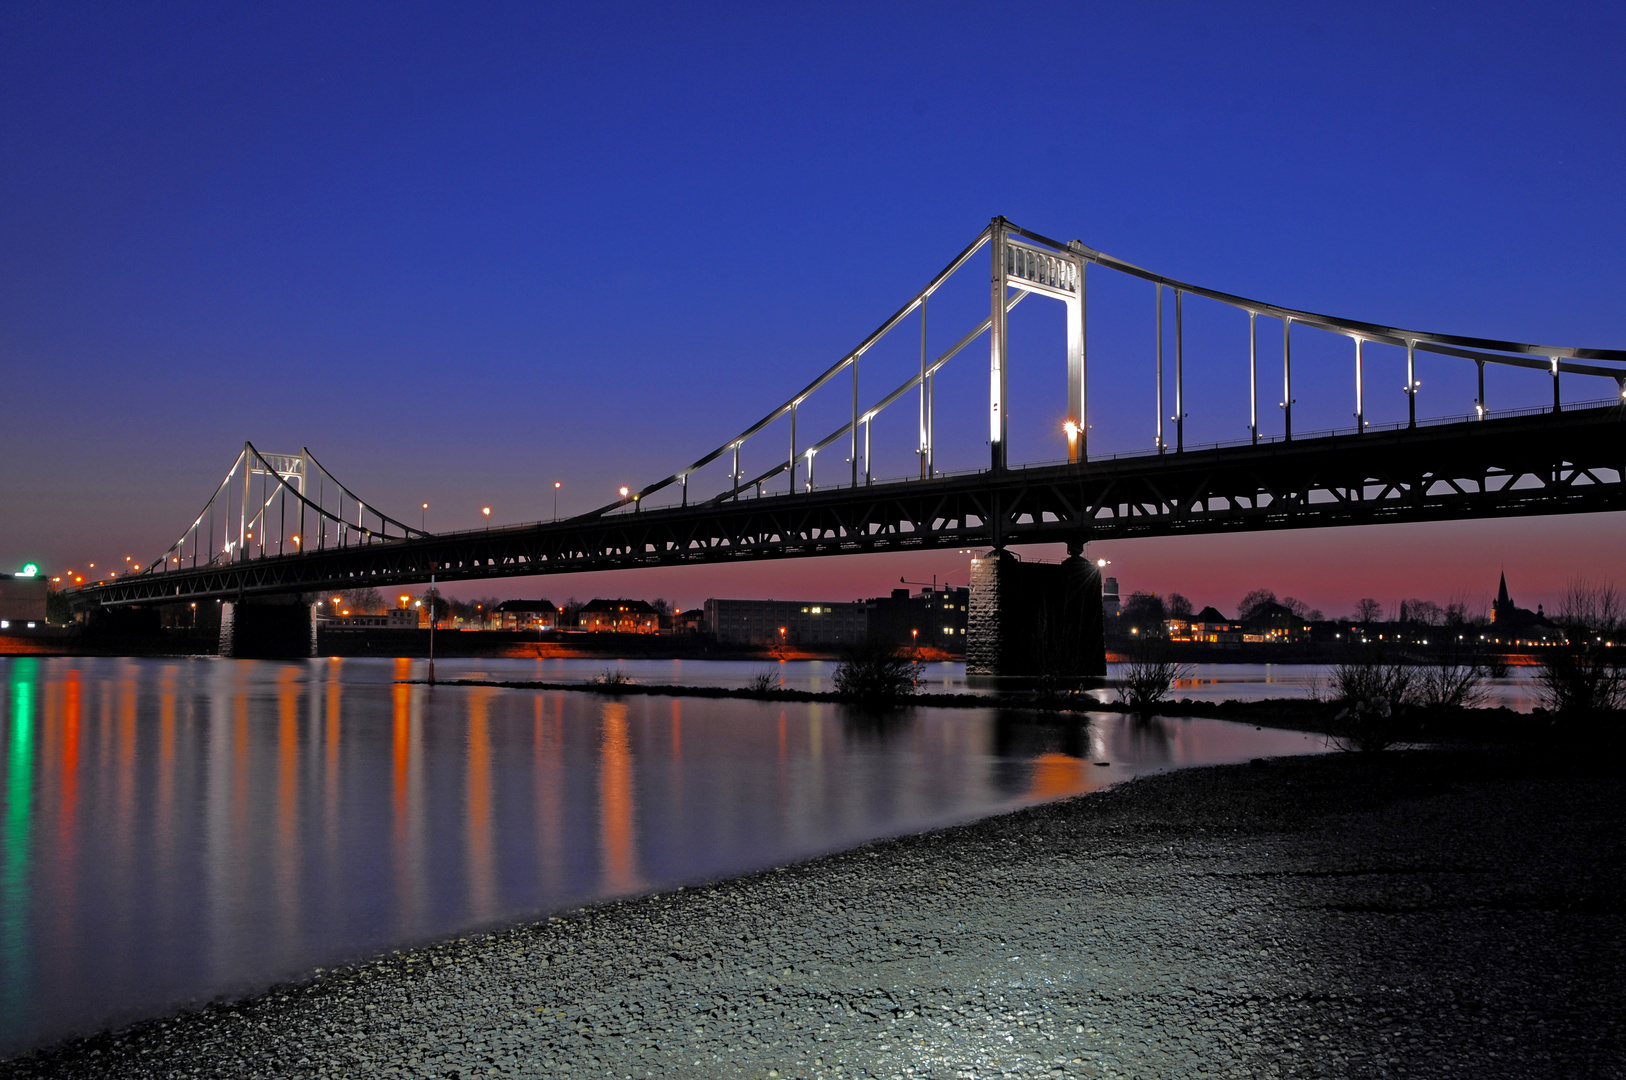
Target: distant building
pixel 618 617
pixel 393 619
pixel 1111 603
pixel 525 615
pixel 1275 624
pixel 934 618
pixel 1211 628
pixel 785 622
pixel 691 621
pixel 1514 625
pixel 22 600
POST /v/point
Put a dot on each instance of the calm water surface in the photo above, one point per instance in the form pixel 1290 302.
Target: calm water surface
pixel 1204 682
pixel 173 830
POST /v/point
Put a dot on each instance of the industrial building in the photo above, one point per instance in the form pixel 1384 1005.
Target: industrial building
pixel 786 622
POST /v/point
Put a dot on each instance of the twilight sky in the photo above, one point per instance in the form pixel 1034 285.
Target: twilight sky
pixel 463 251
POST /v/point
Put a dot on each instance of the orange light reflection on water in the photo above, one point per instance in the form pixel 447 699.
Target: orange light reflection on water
pixel 616 840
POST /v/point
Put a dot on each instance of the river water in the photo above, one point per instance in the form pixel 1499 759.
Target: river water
pixel 173 830
pixel 1200 682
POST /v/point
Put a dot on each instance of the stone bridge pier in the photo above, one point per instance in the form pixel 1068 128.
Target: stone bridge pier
pixel 1031 621
pixel 267 628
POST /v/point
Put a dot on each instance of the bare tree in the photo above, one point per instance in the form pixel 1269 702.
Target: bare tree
pixel 1251 603
pixel 1374 693
pixel 1146 613
pixel 361 601
pixel 1585 674
pixel 1148 677
pixel 1368 611
pixel 1455 679
pixel 1426 612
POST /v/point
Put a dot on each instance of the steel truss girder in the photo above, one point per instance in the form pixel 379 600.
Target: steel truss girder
pixel 1573 462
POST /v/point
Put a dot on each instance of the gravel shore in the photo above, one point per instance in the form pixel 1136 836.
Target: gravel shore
pixel 1428 913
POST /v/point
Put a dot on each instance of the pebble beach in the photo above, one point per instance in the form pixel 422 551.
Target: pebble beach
pixel 1418 913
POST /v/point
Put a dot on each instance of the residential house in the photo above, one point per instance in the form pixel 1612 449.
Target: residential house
pixel 618 617
pixel 524 615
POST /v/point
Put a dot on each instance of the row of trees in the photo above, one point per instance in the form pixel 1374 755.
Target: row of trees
pixel 1147 609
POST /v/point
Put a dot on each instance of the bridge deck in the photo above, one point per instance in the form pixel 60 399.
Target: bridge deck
pixel 1568 462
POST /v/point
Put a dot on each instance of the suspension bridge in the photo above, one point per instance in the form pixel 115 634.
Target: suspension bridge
pixel 282 524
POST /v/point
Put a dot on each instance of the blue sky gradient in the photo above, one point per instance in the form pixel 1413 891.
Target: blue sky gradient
pixel 462 252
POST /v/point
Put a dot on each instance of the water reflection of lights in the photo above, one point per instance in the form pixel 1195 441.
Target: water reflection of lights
pixel 251 819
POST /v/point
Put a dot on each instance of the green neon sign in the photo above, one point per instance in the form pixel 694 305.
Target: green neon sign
pixel 29 570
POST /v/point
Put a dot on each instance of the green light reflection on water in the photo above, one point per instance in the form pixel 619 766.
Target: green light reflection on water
pixel 16 837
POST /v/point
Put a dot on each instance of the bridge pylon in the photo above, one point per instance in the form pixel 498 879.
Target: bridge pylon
pixel 1034 622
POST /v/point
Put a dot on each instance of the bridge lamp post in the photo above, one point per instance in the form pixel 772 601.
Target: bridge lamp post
pixel 556 500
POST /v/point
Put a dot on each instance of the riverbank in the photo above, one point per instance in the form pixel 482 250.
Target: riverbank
pixel 1475 725
pixel 1431 913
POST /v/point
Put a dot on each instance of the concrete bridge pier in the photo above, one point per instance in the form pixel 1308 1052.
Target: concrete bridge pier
pixel 267 628
pixel 1033 621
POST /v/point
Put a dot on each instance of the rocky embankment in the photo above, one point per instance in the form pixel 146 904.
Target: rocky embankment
pixel 1419 914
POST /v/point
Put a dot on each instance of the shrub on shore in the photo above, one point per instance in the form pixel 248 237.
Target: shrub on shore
pixel 1454 680
pixel 1148 677
pixel 877 675
pixel 1375 693
pixel 612 680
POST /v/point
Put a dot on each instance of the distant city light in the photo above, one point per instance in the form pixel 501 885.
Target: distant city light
pixel 29 570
